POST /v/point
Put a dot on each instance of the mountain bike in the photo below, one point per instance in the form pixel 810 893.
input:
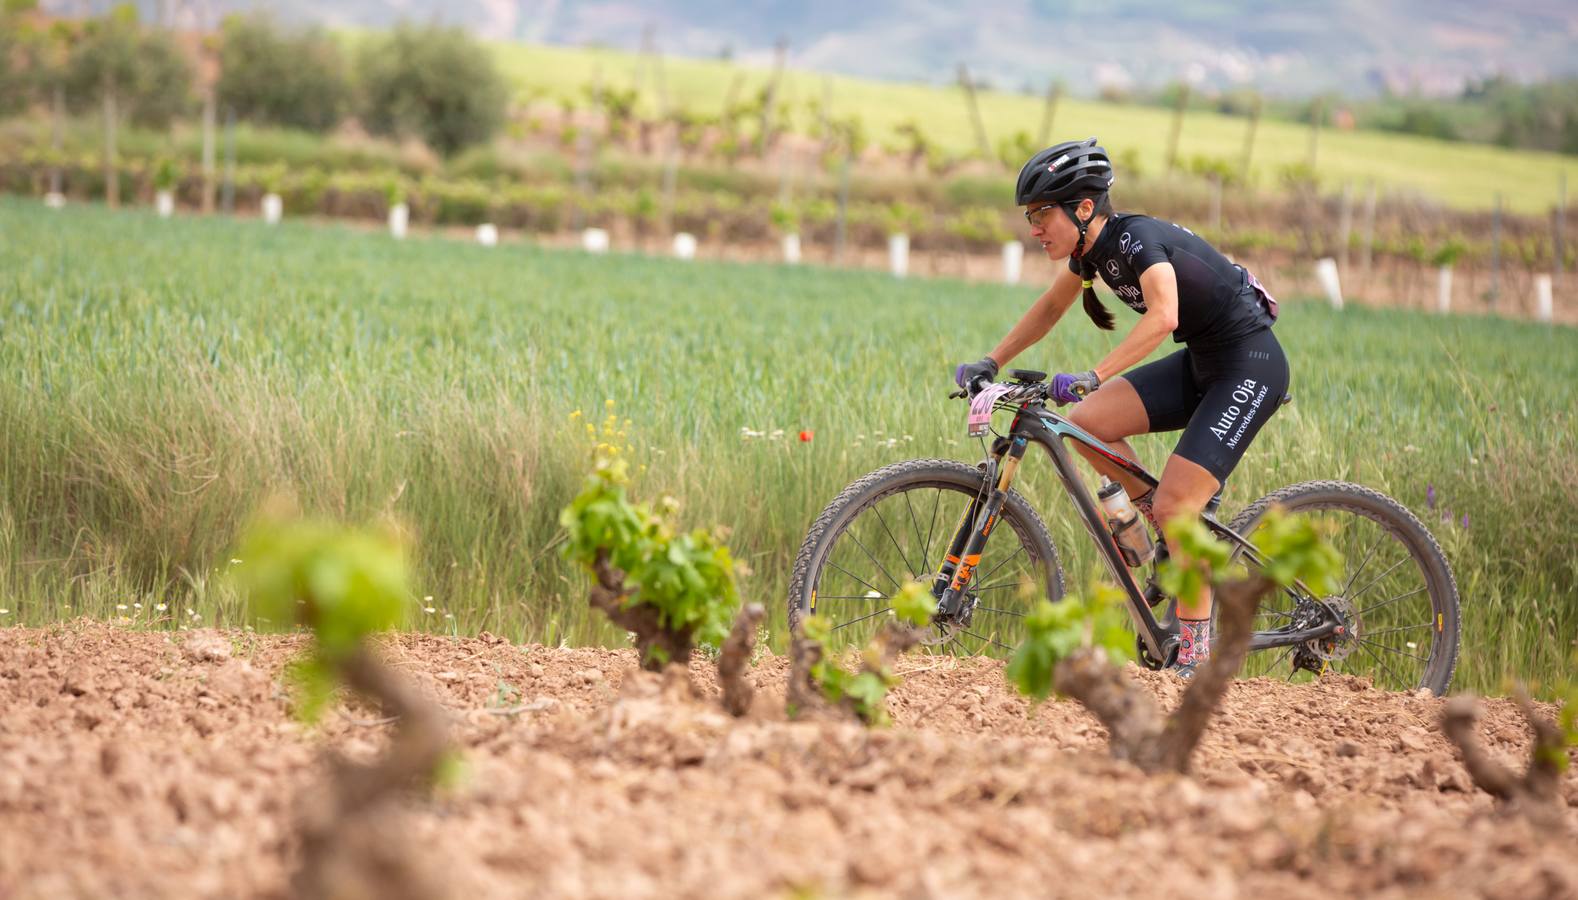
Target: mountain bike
pixel 988 555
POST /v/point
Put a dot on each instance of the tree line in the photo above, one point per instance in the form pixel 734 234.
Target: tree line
pixel 429 82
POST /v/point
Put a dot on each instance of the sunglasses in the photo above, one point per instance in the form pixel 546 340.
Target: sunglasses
pixel 1037 217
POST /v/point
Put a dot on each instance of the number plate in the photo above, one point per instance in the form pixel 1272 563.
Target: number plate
pixel 980 421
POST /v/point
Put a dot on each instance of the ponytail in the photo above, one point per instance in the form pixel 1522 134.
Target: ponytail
pixel 1098 313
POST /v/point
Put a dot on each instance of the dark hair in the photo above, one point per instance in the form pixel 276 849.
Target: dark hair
pixel 1098 313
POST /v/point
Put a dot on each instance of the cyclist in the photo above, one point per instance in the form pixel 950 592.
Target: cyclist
pixel 1220 388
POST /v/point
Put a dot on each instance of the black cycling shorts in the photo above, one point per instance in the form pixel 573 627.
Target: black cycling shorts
pixel 1219 396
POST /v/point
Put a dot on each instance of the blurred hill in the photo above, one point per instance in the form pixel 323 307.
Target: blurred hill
pixel 1290 48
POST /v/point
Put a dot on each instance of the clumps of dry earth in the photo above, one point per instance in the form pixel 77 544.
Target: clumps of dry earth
pixel 146 764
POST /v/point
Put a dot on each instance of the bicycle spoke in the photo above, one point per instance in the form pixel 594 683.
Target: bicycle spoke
pixel 855 597
pixel 1399 628
pixel 1394 599
pixel 896 585
pixel 915 527
pixel 863 581
pixel 1378 578
pixel 1394 650
pixel 861 619
pixel 994 587
pixel 1281 659
pixel 1378 659
pixel 1367 555
pixel 1004 612
pixel 1003 563
pixel 986 639
pixel 895 541
pixel 926 550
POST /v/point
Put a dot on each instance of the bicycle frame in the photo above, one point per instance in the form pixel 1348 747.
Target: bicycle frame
pixel 1034 423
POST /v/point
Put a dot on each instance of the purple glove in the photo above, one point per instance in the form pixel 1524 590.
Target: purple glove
pixel 1068 388
pixel 966 374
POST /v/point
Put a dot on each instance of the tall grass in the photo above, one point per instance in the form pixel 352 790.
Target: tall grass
pixel 162 378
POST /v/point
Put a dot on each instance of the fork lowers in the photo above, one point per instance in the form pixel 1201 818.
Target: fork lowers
pixel 964 553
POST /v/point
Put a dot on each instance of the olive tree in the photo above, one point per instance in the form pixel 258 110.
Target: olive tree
pixel 434 83
pixel 272 75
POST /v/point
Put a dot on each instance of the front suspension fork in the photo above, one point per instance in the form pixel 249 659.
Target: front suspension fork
pixel 969 537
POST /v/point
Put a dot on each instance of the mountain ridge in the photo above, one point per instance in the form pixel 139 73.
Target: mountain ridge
pixel 1290 49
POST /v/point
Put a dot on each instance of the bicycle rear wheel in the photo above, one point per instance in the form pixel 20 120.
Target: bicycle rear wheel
pixel 1396 590
pixel 894 525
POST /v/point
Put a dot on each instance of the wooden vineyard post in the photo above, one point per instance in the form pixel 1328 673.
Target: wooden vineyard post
pixel 1216 202
pixel 208 81
pixel 1317 113
pixel 57 124
pixel 770 100
pixel 112 169
pixel 1049 112
pixel 982 144
pixel 1558 227
pixel 227 194
pixel 841 230
pixel 1249 138
pixel 583 155
pixel 1177 129
pixel 1495 255
pixel 1345 226
pixel 1367 253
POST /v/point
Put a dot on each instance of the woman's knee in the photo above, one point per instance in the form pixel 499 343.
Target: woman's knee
pixel 1169 504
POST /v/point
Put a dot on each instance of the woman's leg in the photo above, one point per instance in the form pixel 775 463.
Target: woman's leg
pixel 1242 389
pixel 1111 414
pixel 1186 487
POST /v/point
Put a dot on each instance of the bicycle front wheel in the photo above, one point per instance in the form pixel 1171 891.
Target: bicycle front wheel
pixel 1396 591
pixel 893 526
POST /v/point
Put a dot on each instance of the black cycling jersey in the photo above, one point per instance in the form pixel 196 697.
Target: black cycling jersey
pixel 1218 302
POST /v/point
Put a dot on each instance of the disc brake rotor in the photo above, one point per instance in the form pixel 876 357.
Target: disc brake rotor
pixel 944 630
pixel 1337 647
pixel 1315 655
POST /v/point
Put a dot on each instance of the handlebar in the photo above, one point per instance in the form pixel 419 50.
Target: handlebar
pixel 980 382
pixel 977 384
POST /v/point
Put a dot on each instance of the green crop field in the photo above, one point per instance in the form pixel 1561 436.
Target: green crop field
pixel 163 378
pixel 1459 174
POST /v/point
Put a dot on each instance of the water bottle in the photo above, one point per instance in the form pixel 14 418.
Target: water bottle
pixel 1123 520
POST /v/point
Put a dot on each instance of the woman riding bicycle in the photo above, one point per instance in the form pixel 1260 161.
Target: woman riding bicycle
pixel 1220 389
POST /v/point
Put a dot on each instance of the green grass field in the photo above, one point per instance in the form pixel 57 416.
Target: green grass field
pixel 162 378
pixel 1459 174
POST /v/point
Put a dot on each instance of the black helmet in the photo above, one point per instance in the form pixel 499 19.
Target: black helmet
pixel 1069 171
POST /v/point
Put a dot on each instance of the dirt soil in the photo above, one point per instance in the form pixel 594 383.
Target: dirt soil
pixel 149 764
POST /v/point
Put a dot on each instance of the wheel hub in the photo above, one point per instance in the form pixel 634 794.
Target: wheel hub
pixel 1315 655
pixel 1337 647
pixel 946 627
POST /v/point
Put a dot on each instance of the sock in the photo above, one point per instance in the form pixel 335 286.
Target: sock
pixel 1143 504
pixel 1194 641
